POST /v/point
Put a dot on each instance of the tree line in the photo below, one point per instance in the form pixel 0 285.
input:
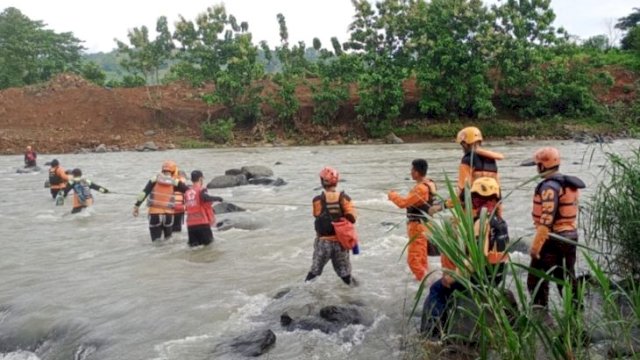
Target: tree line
pixel 467 60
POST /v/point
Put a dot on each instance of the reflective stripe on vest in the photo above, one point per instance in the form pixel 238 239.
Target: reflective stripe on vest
pixel 567 212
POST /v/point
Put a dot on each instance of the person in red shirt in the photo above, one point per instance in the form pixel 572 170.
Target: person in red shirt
pixel 200 214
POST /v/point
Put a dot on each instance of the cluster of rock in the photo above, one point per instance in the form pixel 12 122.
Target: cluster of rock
pixel 247 175
pixel 586 138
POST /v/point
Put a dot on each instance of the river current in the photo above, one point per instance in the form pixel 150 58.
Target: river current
pixel 93 286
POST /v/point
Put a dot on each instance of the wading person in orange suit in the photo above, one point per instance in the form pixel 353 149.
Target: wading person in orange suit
pixel 418 203
pixel 476 162
pixel 328 207
pixel 200 215
pixel 161 192
pixel 555 209
pixel 57 178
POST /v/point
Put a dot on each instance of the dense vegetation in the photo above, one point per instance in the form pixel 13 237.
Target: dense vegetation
pixel 468 61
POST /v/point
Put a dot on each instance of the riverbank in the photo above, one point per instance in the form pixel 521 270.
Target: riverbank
pixel 70 115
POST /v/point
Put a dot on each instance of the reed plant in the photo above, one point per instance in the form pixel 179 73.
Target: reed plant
pixel 502 329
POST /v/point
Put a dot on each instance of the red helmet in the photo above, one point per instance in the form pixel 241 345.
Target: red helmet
pixel 548 157
pixel 329 176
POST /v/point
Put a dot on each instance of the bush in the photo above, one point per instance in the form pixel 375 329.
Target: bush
pixel 614 214
pixel 219 131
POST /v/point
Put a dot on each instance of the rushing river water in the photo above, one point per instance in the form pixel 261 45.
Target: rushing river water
pixel 93 286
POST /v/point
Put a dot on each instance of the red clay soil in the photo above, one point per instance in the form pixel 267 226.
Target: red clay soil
pixel 68 113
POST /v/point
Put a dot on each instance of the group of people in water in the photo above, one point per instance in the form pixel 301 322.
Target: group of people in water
pixel 554 212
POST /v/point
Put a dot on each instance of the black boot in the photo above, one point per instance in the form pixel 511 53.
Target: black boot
pixel 310 276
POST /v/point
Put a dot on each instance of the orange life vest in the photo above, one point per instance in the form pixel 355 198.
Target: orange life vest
pixel 567 190
pixel 417 212
pixel 479 163
pixel 179 199
pixel 56 181
pixel 198 211
pixel 162 199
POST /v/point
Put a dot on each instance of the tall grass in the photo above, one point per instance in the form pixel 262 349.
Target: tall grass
pixel 526 331
pixel 614 216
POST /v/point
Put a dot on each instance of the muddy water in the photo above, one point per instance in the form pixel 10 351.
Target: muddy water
pixel 93 286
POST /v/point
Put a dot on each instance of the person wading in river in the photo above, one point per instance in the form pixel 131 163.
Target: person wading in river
pixel 82 197
pixel 328 207
pixel 418 204
pixel 161 192
pixel 200 215
pixel 555 209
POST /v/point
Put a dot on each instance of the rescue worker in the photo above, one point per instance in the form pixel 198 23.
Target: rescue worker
pixel 178 215
pixel 160 191
pixel 330 206
pixel 30 157
pixel 57 178
pixel 418 203
pixel 485 193
pixel 82 197
pixel 200 214
pixel 555 210
pixel 476 162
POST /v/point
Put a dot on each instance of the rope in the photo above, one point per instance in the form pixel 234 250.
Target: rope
pixel 298 204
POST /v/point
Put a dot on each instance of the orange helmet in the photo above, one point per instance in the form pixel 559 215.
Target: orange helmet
pixel 486 186
pixel 170 166
pixel 548 157
pixel 329 176
pixel 469 135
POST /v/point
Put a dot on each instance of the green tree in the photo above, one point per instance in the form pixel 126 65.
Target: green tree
pixel 216 49
pixel 452 56
pixel 631 41
pixel 598 42
pixel 378 37
pixel 145 57
pixel 92 72
pixel 30 54
pixel 629 21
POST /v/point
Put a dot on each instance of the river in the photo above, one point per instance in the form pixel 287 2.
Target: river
pixel 93 286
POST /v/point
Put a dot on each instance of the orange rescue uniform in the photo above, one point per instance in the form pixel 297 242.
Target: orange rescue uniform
pixel 417 202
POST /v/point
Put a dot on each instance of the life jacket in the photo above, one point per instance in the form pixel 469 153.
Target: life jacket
pixel 417 213
pixel 81 192
pixel 179 199
pixel 198 212
pixel 30 156
pixel 162 199
pixel 495 250
pixel 55 180
pixel 331 211
pixel 567 188
pixel 482 163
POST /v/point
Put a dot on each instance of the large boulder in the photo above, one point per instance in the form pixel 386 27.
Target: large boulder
pixel 330 319
pixel 255 343
pixel 243 221
pixel 393 139
pixel 225 207
pixel 233 172
pixel 267 181
pixel 227 181
pixel 256 171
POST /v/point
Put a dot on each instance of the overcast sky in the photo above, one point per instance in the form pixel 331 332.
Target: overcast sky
pixel 97 23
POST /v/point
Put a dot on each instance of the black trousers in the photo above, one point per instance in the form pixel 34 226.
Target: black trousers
pixel 160 224
pixel 178 219
pixel 559 256
pixel 200 235
pixel 54 192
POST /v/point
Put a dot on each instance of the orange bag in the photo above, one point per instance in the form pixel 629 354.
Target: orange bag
pixel 346 233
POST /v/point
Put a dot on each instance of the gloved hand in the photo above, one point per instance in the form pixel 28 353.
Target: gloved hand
pixel 217 198
pixel 136 211
pixel 103 190
pixel 542 234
